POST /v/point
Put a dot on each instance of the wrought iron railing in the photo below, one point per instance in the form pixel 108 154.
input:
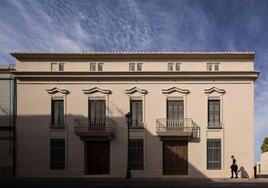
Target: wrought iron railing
pixel 184 126
pixel 57 124
pixel 84 124
pixel 136 124
pixel 215 125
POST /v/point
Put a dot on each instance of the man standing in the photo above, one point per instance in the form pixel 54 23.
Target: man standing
pixel 234 168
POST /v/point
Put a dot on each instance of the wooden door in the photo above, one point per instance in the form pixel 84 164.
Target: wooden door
pixel 175 157
pixel 98 157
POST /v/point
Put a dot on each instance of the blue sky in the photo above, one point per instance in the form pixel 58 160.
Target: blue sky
pixel 142 25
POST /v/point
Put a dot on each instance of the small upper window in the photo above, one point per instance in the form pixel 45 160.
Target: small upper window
pixel 213 66
pixel 100 66
pixel 54 67
pixel 139 66
pixel 209 66
pixel 131 66
pixel 92 67
pixel 170 66
pixel 178 66
pixel 216 67
pixel 61 67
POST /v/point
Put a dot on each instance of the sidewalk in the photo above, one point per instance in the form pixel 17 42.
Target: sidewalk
pixel 134 182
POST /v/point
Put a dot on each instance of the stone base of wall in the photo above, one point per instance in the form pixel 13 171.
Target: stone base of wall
pixel 6 171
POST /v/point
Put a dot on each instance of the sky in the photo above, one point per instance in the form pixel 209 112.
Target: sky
pixel 142 25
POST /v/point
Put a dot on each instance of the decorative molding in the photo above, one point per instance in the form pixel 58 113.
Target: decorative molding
pixel 214 89
pixel 57 90
pixel 135 89
pixel 95 90
pixel 175 89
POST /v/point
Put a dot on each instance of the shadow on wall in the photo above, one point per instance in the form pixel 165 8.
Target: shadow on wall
pixel 242 171
pixel 34 133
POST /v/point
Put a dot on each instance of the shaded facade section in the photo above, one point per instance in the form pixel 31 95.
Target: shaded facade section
pixel 6 122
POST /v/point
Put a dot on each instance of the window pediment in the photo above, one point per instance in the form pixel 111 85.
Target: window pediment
pixel 175 89
pixel 136 90
pixel 57 90
pixel 214 89
pixel 97 90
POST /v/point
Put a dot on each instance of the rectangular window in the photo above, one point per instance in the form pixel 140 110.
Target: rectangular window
pixel 209 66
pixel 213 154
pixel 170 66
pixel 57 113
pixel 100 66
pixel 139 66
pixel 216 67
pixel 97 113
pixel 214 114
pixel 131 66
pixel 92 67
pixel 178 66
pixel 136 113
pixel 61 67
pixel 136 154
pixel 175 110
pixel 54 67
pixel 57 154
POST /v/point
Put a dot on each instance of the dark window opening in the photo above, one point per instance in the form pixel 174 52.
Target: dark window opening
pixel 136 154
pixel 57 154
pixel 213 154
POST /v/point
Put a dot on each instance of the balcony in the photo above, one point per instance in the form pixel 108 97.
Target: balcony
pixel 215 125
pixel 57 124
pixel 94 130
pixel 177 128
pixel 136 125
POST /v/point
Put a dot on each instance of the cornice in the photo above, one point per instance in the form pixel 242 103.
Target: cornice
pixel 41 56
pixel 214 89
pixel 135 89
pixel 95 90
pixel 252 75
pixel 57 90
pixel 175 89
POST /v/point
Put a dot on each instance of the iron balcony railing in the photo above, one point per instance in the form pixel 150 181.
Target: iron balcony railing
pixel 84 126
pixel 136 124
pixel 57 124
pixel 175 127
pixel 215 125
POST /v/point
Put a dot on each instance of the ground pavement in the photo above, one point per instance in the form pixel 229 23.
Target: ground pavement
pixel 134 182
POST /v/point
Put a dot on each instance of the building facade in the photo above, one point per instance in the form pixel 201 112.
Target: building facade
pixel 262 166
pixel 6 121
pixel 189 113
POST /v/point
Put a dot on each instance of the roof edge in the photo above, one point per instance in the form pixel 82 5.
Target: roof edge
pixel 42 55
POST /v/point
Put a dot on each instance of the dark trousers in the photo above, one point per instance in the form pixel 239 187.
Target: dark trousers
pixel 234 171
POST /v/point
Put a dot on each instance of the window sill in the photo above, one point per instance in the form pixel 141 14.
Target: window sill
pixel 57 127
pixel 140 127
pixel 219 127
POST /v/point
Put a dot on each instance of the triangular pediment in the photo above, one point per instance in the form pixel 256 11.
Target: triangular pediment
pixel 136 90
pixel 214 89
pixel 57 90
pixel 97 90
pixel 175 89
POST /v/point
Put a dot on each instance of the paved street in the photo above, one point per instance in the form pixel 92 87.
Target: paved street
pixel 140 183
